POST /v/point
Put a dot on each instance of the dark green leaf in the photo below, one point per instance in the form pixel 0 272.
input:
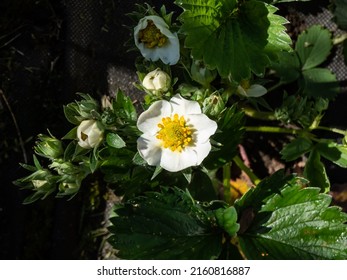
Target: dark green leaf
pixel 201 187
pixel 313 46
pixel 333 152
pixel 229 137
pixel 287 67
pixel 115 141
pixel 340 13
pixel 254 198
pixel 315 172
pixel 296 148
pixel 124 108
pixel 297 224
pixel 166 225
pixel 320 82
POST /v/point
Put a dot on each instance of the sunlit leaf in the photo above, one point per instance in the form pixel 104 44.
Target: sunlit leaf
pixel 333 152
pixel 296 224
pixel 228 35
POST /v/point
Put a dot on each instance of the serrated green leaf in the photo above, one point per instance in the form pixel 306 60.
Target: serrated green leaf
pixel 228 37
pixel 320 82
pixel 115 141
pixel 166 225
pixel 278 39
pixel 296 148
pixel 297 224
pixel 333 152
pixel 313 46
pixel 315 172
pixel 340 13
pixel 254 198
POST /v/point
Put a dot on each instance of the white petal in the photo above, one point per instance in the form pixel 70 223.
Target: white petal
pixel 148 121
pixel 176 161
pixel 202 150
pixel 203 126
pixel 149 149
pixel 170 53
pixel 256 91
pixel 241 91
pixel 183 106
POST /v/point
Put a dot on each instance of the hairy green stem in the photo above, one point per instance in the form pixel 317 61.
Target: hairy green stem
pixel 238 161
pixel 226 182
pixel 272 129
pixel 266 116
pixel 332 129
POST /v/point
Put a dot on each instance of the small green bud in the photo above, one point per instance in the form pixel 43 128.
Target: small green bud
pixel 213 105
pixel 49 147
pixel 201 74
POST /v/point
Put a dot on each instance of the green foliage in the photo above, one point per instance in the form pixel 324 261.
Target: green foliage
pixel 301 110
pixel 315 172
pixel 313 47
pixel 296 224
pixel 165 225
pixel 332 151
pixel 340 12
pixel 115 141
pixel 232 36
pixel 296 148
pixel 226 219
pixel 230 123
pixel 311 50
pixel 87 108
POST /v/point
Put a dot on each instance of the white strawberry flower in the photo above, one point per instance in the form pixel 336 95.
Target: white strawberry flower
pixel 155 40
pixel 176 134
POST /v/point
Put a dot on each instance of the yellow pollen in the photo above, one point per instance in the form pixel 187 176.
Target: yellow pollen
pixel 151 36
pixel 174 133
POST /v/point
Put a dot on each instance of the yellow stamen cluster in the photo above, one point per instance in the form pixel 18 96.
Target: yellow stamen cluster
pixel 174 133
pixel 151 36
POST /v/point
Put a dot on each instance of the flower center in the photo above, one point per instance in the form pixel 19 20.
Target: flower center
pixel 151 36
pixel 174 133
